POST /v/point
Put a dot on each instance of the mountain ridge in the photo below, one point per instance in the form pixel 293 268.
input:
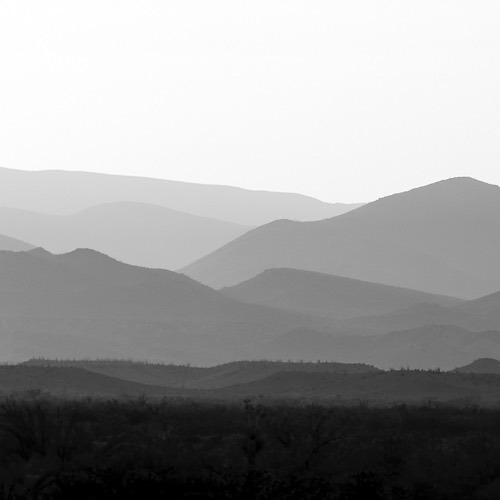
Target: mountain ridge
pixel 85 303
pixel 134 232
pixel 336 297
pixel 39 191
pixel 443 238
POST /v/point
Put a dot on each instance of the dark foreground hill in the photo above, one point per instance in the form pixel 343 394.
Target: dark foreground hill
pixel 70 381
pixel 335 297
pixel 183 376
pixel 63 192
pixel 136 233
pixel 382 387
pixel 330 383
pixel 443 238
pixel 482 365
pixel 85 304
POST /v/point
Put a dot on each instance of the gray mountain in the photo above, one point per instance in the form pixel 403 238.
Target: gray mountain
pixel 329 296
pixel 443 238
pixel 135 233
pixel 63 192
pixel 13 244
pixel 86 305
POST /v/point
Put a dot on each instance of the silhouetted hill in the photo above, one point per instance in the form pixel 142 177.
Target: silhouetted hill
pixel 63 192
pixel 482 365
pixel 182 376
pixel 335 382
pixel 443 238
pixel 70 381
pixel 85 304
pixel 13 245
pixel 330 296
pixel 136 233
pixel 382 387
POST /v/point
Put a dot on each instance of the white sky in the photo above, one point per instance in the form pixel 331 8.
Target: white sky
pixel 343 100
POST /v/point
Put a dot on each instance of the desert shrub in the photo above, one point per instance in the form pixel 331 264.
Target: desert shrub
pixel 129 448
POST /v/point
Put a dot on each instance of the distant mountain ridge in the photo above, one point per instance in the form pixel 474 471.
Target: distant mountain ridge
pixel 135 233
pixel 326 295
pixel 443 238
pixel 85 304
pixel 67 192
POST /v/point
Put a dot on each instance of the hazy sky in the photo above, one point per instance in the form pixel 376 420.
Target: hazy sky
pixel 343 100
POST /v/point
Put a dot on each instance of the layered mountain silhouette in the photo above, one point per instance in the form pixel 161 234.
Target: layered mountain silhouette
pixel 135 233
pixel 329 296
pixel 63 192
pixel 13 244
pixel 85 304
pixel 443 238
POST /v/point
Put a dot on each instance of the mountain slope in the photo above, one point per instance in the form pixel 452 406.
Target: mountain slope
pixel 443 238
pixel 134 233
pixel 85 304
pixel 326 295
pixel 63 192
pixel 13 245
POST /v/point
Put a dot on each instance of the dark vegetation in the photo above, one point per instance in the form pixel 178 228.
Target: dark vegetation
pixel 115 429
pixel 54 448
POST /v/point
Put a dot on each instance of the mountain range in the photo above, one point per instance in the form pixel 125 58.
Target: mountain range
pixel 408 280
pixel 443 238
pixel 60 192
pixel 329 296
pixel 135 233
pixel 85 304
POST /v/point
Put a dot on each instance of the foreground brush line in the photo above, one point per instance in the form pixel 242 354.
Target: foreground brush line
pixel 114 449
